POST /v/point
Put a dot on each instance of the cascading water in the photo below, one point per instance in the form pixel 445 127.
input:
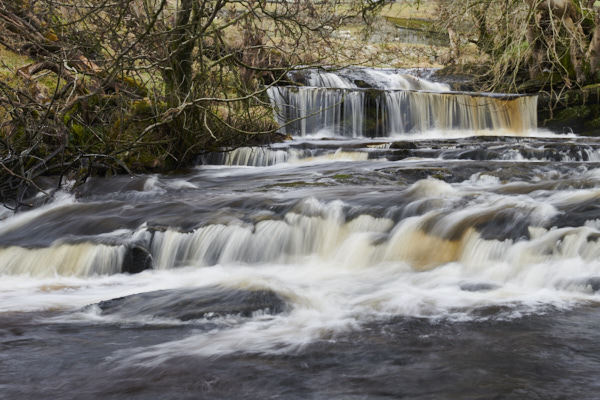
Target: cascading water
pixel 387 104
pixel 411 267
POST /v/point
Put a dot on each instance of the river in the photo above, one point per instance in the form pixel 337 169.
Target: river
pixel 448 259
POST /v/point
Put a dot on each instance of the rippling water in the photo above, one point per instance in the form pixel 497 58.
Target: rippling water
pixel 432 263
pixel 348 269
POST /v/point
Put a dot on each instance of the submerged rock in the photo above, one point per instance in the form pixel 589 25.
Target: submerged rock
pixel 477 287
pixel 196 303
pixel 592 284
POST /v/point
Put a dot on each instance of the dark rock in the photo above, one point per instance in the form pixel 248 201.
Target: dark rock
pixel 136 260
pixel 593 284
pixel 403 146
pixel 399 155
pixel 593 237
pixel 196 303
pixel 586 285
pixel 362 84
pixel 477 287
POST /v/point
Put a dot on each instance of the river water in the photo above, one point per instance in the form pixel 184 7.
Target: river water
pixel 435 263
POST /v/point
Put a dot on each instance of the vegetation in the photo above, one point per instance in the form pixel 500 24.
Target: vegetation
pixel 550 47
pixel 527 45
pixel 102 86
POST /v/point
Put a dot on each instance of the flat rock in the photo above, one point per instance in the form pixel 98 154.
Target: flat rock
pixel 196 303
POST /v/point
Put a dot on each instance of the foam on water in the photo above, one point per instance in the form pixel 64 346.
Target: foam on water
pixel 337 291
pixel 329 299
pixel 336 273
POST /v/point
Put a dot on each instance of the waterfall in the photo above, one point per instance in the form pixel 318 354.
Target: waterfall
pixel 478 235
pixel 264 157
pixel 374 103
pixel 83 259
pixel 247 156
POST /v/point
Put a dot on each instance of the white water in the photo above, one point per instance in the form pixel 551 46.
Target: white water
pixel 439 243
pixel 376 78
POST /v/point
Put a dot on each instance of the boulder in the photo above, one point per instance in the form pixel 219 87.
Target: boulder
pixel 136 260
pixel 195 303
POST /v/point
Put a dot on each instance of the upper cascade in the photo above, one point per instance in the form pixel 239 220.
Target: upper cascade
pixel 369 78
pixel 381 103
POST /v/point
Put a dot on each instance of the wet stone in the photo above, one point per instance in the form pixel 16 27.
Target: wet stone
pixel 399 155
pixel 136 260
pixel 196 303
pixel 403 146
pixel 477 287
pixel 593 284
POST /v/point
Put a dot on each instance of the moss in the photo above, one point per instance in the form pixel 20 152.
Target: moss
pixel 593 124
pixel 20 131
pixel 68 121
pixel 78 130
pixel 12 60
pixel 541 81
pixel 118 125
pixel 133 83
pixel 568 64
pixel 581 119
pixel 51 36
pixel 93 101
pixel 342 176
pixel 142 107
pixel 145 161
pixel 517 49
pixel 573 112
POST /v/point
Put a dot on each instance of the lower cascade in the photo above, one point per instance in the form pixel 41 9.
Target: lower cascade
pixel 479 233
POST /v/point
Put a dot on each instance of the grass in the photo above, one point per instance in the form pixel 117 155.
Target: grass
pixel 10 62
pixel 425 9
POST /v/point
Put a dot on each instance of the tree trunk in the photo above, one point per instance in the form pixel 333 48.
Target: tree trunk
pixel 178 75
pixel 593 52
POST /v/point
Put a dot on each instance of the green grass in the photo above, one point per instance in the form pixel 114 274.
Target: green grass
pixel 10 62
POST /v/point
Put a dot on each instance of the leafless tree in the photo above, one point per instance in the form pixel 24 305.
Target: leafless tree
pixel 117 85
pixel 529 44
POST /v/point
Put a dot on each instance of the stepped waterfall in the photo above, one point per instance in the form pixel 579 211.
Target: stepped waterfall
pixel 404 241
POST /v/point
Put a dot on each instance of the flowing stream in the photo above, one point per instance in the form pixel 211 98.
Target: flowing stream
pixel 408 242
